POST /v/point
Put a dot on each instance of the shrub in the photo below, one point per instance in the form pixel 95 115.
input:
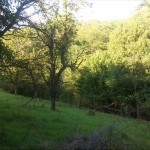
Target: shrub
pixel 103 139
pixel 91 112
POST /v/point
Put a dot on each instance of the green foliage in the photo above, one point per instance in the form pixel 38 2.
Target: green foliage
pixel 109 80
pixel 112 58
pixel 94 36
pixel 24 67
pixel 122 72
pixel 92 86
pixel 5 54
pixel 91 112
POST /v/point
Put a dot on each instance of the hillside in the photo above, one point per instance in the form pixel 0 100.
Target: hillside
pixel 37 127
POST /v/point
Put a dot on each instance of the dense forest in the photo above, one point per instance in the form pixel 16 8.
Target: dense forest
pixel 104 66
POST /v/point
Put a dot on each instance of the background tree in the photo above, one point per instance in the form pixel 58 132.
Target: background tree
pixel 12 15
pixel 28 57
pixel 122 72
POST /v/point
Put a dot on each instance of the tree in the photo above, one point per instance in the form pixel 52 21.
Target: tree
pixel 95 35
pixel 12 12
pixel 28 57
pixel 57 35
pixel 131 42
pixel 6 56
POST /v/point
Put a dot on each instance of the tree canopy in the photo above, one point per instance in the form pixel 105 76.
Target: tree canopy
pixel 97 64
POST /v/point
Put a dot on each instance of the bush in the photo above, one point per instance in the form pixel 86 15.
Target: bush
pixel 91 112
pixel 103 139
pixel 145 110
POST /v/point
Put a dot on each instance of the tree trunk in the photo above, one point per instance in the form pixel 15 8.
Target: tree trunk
pixel 79 104
pixel 35 94
pixel 53 107
pixel 34 81
pixel 137 107
pixel 35 90
pixel 54 84
pixel 15 89
pixel 53 95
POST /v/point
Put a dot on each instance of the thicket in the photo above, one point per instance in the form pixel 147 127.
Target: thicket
pixel 119 78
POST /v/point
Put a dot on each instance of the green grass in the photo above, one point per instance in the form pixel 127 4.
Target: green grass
pixel 29 127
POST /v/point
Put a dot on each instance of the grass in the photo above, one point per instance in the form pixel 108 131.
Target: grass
pixel 34 127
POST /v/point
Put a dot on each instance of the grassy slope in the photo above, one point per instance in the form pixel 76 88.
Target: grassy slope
pixel 24 127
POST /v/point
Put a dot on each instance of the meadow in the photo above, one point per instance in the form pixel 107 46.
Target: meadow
pixel 36 126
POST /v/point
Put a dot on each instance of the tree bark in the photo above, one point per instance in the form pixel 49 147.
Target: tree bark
pixel 53 105
pixel 15 90
pixel 34 81
pixel 53 95
pixel 35 90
